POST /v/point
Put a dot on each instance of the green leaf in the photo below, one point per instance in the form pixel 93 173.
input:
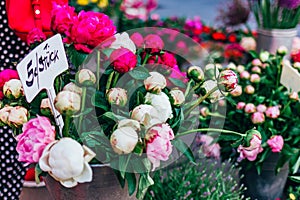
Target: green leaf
pixel 98 100
pixel 38 172
pixel 131 180
pixel 76 57
pixel 145 181
pixel 121 180
pixel 85 112
pixel 123 163
pixel 177 82
pixel 139 73
pixel 183 148
pixel 296 166
pixel 295 178
pixel 254 54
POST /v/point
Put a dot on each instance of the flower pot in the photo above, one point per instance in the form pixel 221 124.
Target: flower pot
pixel 271 39
pixel 33 191
pixel 267 185
pixel 104 186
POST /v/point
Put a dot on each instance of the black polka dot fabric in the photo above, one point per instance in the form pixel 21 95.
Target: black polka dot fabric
pixel 12 50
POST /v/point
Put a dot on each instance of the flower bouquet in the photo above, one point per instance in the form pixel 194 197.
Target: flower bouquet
pixel 123 101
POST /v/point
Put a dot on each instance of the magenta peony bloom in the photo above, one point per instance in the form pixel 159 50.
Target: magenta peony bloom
pixel 159 146
pixel 208 148
pixel 62 18
pixel 7 75
pixel 153 41
pixel 123 60
pixel 168 59
pixel 90 30
pixel 35 35
pixel 290 4
pixel 257 118
pixel 37 133
pixel 1 95
pixel 276 143
pixel 138 39
pixel 252 151
pixel 273 112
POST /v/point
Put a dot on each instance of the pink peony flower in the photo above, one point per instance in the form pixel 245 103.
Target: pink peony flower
pixel 37 133
pixel 138 9
pixel 261 108
pixel 245 75
pixel 168 59
pixel 240 105
pixel 250 108
pixel 7 75
pixel 123 60
pixel 252 151
pixel 276 143
pixel 257 118
pixel 62 18
pixel 256 69
pixel 90 30
pixel 35 35
pixel 237 91
pixel 254 78
pixel 273 112
pixel 153 41
pixel 249 89
pixel 208 148
pixel 159 146
pixel 256 62
pixel 138 39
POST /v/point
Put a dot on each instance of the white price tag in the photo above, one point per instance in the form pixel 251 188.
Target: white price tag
pixel 290 77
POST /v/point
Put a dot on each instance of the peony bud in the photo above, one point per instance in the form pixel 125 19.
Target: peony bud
pixel 254 78
pixel 18 116
pixel 117 96
pixel 237 91
pixel 13 89
pixel 261 108
pixel 276 143
pixel 294 96
pixel 249 89
pixel 240 68
pixel 204 111
pixel 257 118
pixel 211 71
pixel 138 39
pixel 72 87
pixel 256 70
pixel 45 107
pixel 129 123
pixel 245 75
pixel 123 60
pixel 282 50
pixel 85 77
pixel 240 105
pixel 250 108
pixel 178 96
pixel 155 82
pixel 256 62
pixel 67 102
pixel 273 112
pixel 4 113
pixel 147 115
pixel 227 80
pixel 195 73
pixel 123 140
pixel 264 56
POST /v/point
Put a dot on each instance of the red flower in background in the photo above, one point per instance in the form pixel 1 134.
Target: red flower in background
pixel 206 29
pixel 295 56
pixel 232 38
pixel 234 51
pixel 218 36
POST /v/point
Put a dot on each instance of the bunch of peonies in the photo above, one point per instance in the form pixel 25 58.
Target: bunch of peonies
pixel 138 9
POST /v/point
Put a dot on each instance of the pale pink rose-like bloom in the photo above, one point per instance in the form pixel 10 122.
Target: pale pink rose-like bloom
pixel 250 108
pixel 254 78
pixel 257 118
pixel 248 43
pixel 208 148
pixel 62 18
pixel 249 89
pixel 237 91
pixel 256 62
pixel 159 146
pixel 37 134
pixel 240 105
pixel 273 112
pixel 240 68
pixel 245 75
pixel 276 143
pixel 261 108
pixel 256 69
pixel 153 41
pixel 252 151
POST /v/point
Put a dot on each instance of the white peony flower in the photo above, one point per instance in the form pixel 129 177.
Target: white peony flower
pixel 13 89
pixel 177 96
pixel 129 123
pixel 123 140
pixel 85 77
pixel 146 115
pixel 208 86
pixel 67 162
pixel 67 102
pixel 117 96
pixel 18 116
pixel 4 113
pixel 123 40
pixel 161 103
pixel 155 82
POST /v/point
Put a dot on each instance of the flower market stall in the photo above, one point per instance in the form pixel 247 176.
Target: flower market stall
pixel 115 102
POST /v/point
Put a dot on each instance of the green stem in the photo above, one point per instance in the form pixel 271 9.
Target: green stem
pixel 285 107
pixel 109 80
pixel 187 91
pixel 146 59
pixel 200 100
pixel 216 115
pixel 116 77
pixel 83 100
pixel 210 129
pixel 98 70
pixel 67 126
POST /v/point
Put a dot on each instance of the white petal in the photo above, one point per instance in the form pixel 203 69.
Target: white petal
pixel 69 183
pixel 86 175
pixel 44 159
pixel 88 154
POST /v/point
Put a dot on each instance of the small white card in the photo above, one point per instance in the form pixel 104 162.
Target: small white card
pixel 41 66
pixel 290 77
